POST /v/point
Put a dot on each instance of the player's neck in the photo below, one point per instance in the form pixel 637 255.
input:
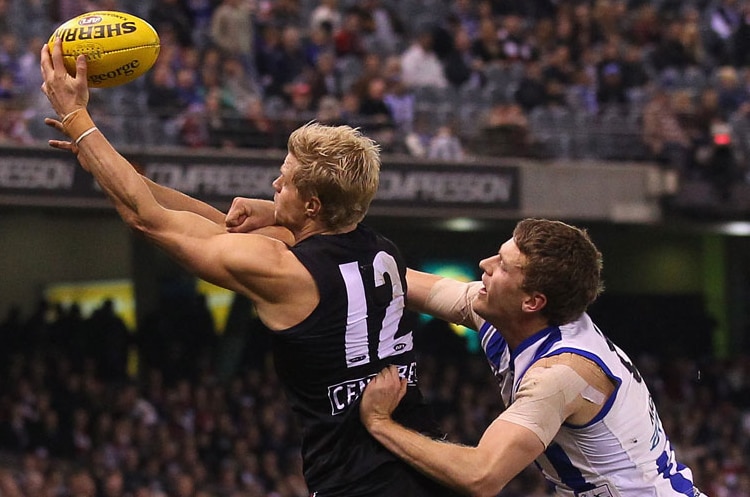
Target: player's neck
pixel 520 330
pixel 316 229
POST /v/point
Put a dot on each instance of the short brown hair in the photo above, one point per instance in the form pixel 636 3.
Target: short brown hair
pixel 562 263
pixel 340 166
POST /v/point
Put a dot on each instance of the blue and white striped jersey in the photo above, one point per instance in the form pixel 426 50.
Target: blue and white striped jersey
pixel 623 451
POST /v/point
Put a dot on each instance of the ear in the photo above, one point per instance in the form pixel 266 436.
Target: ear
pixel 534 302
pixel 312 207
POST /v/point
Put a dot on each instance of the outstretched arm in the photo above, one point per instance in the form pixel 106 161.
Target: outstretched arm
pixel 444 298
pixel 504 450
pixel 170 198
pixel 197 242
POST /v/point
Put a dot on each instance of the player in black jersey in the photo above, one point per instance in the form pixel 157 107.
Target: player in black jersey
pixel 334 301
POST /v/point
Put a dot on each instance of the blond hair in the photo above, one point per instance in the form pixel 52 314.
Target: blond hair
pixel 338 165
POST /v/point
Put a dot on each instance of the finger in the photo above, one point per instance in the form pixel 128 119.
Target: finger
pixel 402 388
pixel 56 55
pixel 235 218
pixel 53 123
pixel 393 371
pixel 46 62
pixel 82 67
pixel 63 145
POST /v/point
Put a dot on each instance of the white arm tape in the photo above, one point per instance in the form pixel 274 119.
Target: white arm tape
pixel 451 300
pixel 544 399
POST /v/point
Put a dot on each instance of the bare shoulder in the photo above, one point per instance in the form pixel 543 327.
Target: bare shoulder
pixel 253 257
pixel 268 273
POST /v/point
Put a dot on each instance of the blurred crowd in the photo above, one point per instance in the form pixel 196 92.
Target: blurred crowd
pixel 201 413
pixel 661 80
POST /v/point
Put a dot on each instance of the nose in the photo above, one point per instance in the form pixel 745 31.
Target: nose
pixel 276 184
pixel 484 265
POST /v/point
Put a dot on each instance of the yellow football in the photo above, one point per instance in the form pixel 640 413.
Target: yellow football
pixel 119 47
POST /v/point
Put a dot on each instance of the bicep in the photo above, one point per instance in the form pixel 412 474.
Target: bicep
pixel 244 263
pixel 506 449
pixel 419 285
pixel 176 200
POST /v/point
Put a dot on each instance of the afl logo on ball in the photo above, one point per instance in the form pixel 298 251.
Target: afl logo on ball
pixel 87 21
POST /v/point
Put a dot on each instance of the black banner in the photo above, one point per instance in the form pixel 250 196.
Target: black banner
pixel 37 177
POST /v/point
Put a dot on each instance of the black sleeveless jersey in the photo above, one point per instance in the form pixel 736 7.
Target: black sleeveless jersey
pixel 324 363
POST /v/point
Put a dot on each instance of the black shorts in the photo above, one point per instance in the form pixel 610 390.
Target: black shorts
pixel 391 480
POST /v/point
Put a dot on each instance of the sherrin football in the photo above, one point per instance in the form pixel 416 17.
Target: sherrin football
pixel 119 47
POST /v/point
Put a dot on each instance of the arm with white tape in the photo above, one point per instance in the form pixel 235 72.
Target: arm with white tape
pixel 444 298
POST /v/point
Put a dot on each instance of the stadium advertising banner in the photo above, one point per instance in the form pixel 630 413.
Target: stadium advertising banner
pixel 41 178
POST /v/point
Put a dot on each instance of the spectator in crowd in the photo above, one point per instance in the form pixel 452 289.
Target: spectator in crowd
pixel 301 109
pixel 14 127
pixel 445 146
pixel 326 79
pixel 466 13
pixel 514 40
pixel 505 127
pixel 724 19
pixel 582 93
pixel 162 96
pixel 462 69
pixel 236 85
pixel 320 41
pixel 172 16
pixel 326 12
pixel 531 91
pixel 232 30
pixel 635 77
pixel 291 64
pixel 420 65
pixel 557 68
pixel 376 115
pixel 668 142
pixel 611 89
pixel 285 13
pixel 486 47
pixel 387 28
pixel 329 111
pixel 740 43
pixel 372 67
pixel 671 54
pixel 731 92
pixel 348 38
pixel 187 89
pixel 401 103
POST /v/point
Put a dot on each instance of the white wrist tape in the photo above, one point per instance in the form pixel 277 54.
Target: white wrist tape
pixel 85 134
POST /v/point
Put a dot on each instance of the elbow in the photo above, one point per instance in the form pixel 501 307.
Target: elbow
pixel 483 484
pixel 483 490
pixel 136 223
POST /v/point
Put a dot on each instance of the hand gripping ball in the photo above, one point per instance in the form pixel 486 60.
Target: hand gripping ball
pixel 119 47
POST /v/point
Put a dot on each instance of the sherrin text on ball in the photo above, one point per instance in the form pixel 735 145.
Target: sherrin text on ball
pixel 119 47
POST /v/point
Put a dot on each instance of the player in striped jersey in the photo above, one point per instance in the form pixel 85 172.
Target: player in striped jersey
pixel 332 295
pixel 575 404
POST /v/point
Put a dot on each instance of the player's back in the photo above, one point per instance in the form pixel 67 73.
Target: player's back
pixel 359 327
